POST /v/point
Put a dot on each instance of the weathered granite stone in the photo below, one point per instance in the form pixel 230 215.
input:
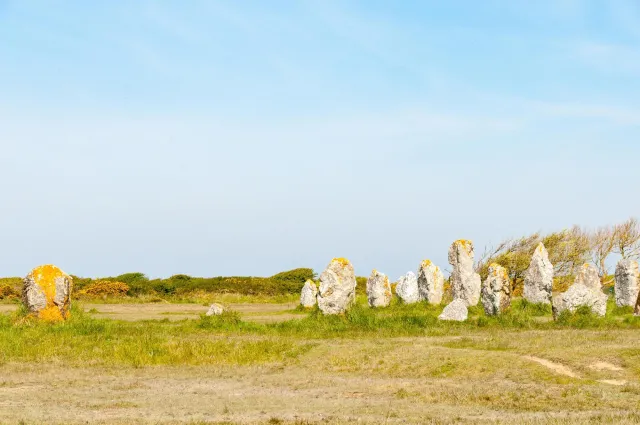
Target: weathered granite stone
pixel 46 293
pixel 337 290
pixel 378 290
pixel 456 311
pixel 308 294
pixel 496 291
pixel 430 282
pixel 580 295
pixel 538 279
pixel 407 288
pixel 589 277
pixel 215 310
pixel 626 288
pixel 465 282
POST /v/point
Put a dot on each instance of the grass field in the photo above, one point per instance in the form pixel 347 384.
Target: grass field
pixel 395 365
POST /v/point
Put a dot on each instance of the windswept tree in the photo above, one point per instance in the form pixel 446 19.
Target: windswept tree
pixel 627 239
pixel 603 243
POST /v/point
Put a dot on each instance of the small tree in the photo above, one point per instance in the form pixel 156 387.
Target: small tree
pixel 603 242
pixel 627 239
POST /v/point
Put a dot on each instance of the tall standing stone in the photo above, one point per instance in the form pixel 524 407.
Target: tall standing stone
pixel 46 293
pixel 378 290
pixel 496 291
pixel 626 288
pixel 308 294
pixel 465 282
pixel 430 282
pixel 337 290
pixel 589 277
pixel 538 279
pixel 407 288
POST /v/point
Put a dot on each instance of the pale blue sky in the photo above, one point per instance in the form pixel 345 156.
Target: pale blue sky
pixel 250 137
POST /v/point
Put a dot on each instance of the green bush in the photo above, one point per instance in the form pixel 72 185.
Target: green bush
pixel 295 275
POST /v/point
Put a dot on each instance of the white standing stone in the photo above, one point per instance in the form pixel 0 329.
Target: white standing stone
pixel 580 295
pixel 378 290
pixel 308 294
pixel 455 311
pixel 337 290
pixel 407 288
pixel 626 288
pixel 496 291
pixel 589 277
pixel 538 279
pixel 215 310
pixel 465 282
pixel 430 282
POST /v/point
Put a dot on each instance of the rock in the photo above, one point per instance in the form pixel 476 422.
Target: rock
pixel 456 310
pixel 538 279
pixel 580 295
pixel 430 282
pixel 465 282
pixel 337 287
pixel 308 294
pixel 215 310
pixel 407 288
pixel 626 288
pixel 589 277
pixel 46 293
pixel 378 290
pixel 496 291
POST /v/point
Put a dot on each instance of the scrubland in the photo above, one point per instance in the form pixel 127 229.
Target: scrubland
pixel 393 365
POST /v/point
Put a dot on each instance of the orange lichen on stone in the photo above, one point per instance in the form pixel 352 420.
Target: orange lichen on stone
pixel 45 277
pixel 343 261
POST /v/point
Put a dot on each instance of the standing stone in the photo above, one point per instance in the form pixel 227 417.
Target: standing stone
pixel 538 279
pixel 430 282
pixel 465 282
pixel 589 277
pixel 308 294
pixel 46 293
pixel 407 288
pixel 455 311
pixel 378 290
pixel 580 295
pixel 496 291
pixel 215 310
pixel 626 288
pixel 337 287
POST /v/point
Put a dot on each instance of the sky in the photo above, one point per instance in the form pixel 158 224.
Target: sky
pixel 249 137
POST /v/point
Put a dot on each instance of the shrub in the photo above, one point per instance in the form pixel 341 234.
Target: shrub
pixel 105 288
pixel 295 275
pixel 7 292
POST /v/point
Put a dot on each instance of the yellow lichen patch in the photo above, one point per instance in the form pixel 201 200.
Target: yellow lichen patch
pixel 426 263
pixel 343 261
pixel 540 247
pixel 45 277
pixel 51 314
pixel 466 244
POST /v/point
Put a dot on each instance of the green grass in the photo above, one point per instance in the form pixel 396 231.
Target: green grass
pixel 86 340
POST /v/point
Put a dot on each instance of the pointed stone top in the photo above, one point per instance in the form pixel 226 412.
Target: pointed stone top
pixel 541 250
pixel 426 263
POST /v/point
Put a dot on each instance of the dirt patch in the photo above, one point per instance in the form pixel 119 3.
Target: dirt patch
pixel 555 367
pixel 600 366
pixel 616 382
pixel 258 313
